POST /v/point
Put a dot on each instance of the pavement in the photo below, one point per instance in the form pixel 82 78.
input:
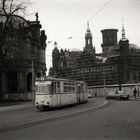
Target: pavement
pixel 15 106
pixel 24 115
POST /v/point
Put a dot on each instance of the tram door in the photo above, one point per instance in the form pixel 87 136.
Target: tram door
pixel 81 92
pixel 56 94
pixel 78 93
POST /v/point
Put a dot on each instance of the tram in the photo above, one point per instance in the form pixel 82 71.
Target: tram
pixel 56 92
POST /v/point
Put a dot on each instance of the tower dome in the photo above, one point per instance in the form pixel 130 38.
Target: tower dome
pixel 55 50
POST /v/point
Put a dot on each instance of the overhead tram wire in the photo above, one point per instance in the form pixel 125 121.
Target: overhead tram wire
pixel 61 39
pixel 73 36
pixel 98 11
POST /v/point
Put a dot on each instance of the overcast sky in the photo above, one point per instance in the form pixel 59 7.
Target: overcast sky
pixel 68 18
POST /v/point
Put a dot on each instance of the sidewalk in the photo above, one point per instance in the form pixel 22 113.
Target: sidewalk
pixel 132 98
pixel 15 106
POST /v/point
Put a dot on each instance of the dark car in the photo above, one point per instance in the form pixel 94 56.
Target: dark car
pixel 122 95
pixel 119 95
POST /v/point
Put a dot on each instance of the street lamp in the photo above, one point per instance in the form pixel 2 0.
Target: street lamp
pixel 33 78
pixel 104 83
pixel 119 70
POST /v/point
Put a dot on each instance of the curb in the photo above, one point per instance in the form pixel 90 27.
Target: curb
pixel 15 107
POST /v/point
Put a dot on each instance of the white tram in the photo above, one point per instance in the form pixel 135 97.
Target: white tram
pixel 55 92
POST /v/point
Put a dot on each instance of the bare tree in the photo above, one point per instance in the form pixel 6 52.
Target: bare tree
pixel 9 8
pixel 13 7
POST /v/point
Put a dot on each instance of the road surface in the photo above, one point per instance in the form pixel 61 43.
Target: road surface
pixel 118 120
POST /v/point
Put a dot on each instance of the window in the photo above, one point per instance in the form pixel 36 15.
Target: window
pixel 69 87
pixel 44 89
pixel 55 87
pixel 80 88
pixel 36 88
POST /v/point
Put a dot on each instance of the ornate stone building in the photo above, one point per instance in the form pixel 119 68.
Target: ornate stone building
pixel 118 63
pixel 23 57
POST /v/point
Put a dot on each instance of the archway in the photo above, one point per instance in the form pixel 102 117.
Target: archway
pixel 29 82
pixel 12 81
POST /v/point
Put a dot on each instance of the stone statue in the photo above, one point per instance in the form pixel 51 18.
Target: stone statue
pixel 43 37
pixel 36 16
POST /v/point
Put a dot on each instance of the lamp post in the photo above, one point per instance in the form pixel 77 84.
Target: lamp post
pixel 119 70
pixel 33 78
pixel 104 83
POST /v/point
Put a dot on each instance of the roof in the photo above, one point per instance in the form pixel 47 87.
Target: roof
pixel 134 46
pixel 59 79
pixel 112 29
pixel 76 50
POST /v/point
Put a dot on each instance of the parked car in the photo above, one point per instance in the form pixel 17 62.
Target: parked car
pixel 118 95
pixel 122 95
pixel 90 95
pixel 111 95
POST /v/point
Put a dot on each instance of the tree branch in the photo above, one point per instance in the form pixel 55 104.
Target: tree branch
pixel 11 5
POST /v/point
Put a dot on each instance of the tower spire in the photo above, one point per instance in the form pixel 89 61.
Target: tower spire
pixel 123 30
pixel 88 29
pixel 88 40
pixel 55 44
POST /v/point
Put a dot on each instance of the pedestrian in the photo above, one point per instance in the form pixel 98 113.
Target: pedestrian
pixel 135 93
pixel 95 94
pixel 117 92
pixel 138 92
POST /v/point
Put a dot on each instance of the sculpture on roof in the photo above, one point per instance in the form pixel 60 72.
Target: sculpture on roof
pixel 36 16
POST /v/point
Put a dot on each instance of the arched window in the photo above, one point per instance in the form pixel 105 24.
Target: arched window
pixel 29 82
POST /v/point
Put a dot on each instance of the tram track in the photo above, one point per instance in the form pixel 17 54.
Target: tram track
pixel 27 119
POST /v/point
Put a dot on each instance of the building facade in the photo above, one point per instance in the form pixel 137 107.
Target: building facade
pixel 22 57
pixel 117 64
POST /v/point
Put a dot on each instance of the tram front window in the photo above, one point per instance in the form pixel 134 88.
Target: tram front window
pixel 36 88
pixel 44 89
